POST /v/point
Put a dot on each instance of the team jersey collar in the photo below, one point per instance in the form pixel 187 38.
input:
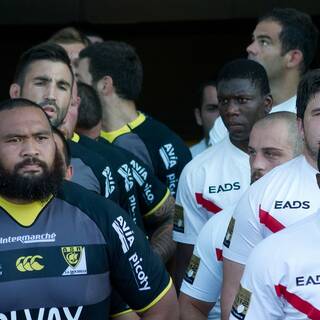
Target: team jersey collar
pixel 75 138
pixel 24 214
pixel 112 135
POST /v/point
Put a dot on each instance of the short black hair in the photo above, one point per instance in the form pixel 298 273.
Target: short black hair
pixel 298 32
pixel 10 104
pixel 309 85
pixel 90 109
pixel 246 69
pixel 199 92
pixel 44 51
pixel 119 61
pixel 66 148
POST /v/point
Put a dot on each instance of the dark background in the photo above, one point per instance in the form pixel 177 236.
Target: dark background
pixel 180 46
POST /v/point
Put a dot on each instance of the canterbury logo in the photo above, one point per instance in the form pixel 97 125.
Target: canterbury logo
pixel 29 263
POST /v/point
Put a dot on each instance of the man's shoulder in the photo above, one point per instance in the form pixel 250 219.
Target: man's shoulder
pixel 90 203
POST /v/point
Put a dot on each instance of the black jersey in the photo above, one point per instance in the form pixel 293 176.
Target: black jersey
pixel 111 183
pixel 60 258
pixel 151 192
pixel 150 139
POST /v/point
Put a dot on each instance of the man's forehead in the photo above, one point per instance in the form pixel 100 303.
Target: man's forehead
pixel 268 27
pixel 19 119
pixel 49 68
pixel 236 86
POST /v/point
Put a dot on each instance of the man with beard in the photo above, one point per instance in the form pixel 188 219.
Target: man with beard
pixel 285 43
pixel 283 197
pixel 61 242
pixel 44 75
pixel 273 141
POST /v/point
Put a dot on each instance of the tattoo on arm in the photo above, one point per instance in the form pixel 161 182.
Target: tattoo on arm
pixel 162 222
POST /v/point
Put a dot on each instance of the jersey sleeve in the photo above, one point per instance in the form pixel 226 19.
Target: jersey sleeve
pixel 189 217
pixel 244 231
pixel 152 193
pixel 136 272
pixel 257 297
pixel 206 280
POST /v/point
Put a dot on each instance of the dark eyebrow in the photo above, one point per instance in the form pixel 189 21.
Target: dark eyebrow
pixel 315 110
pixel 14 135
pixel 45 78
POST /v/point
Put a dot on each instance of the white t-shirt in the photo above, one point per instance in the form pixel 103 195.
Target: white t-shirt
pixel 219 130
pixel 212 181
pixel 285 195
pixel 198 148
pixel 281 279
pixel 205 285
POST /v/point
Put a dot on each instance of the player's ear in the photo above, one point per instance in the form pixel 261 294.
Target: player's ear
pixel 14 91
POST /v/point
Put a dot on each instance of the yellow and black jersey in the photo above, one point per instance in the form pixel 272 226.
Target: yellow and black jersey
pixel 156 145
pixel 60 257
pixel 151 193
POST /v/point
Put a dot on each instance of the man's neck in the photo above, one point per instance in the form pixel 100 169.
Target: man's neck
pixel 284 88
pixel 310 159
pixel 117 113
pixel 92 133
pixel 242 145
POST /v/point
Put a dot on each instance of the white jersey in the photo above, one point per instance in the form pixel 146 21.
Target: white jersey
pixel 285 195
pixel 282 277
pixel 211 182
pixel 219 130
pixel 206 281
pixel 198 148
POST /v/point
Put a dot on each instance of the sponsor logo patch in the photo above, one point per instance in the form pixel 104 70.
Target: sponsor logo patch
pixel 241 303
pixel 178 220
pixel 29 238
pixel 29 263
pixel 124 232
pixel 172 183
pixel 168 155
pixel 139 275
pixel 192 269
pixel 139 173
pixel 44 313
pixel 292 204
pixel 110 184
pixel 308 280
pixel 228 236
pixel 224 187
pixel 75 256
pixel 125 172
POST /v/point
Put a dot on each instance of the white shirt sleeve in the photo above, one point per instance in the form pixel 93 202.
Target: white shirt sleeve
pixel 189 219
pixel 257 297
pixel 244 230
pixel 218 132
pixel 207 282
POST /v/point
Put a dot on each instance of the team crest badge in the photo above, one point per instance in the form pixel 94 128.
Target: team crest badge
pixel 241 303
pixel 227 238
pixel 192 269
pixel 75 257
pixel 178 220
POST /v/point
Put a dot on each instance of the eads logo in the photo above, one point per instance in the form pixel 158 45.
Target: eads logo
pixel 29 263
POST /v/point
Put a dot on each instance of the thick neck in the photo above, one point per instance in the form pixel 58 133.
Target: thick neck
pixel 117 113
pixel 310 159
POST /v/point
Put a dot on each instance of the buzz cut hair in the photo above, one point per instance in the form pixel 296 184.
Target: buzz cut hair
pixel 245 69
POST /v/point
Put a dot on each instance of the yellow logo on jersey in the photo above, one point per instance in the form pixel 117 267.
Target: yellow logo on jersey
pixel 192 269
pixel 72 255
pixel 178 220
pixel 241 303
pixel 29 263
